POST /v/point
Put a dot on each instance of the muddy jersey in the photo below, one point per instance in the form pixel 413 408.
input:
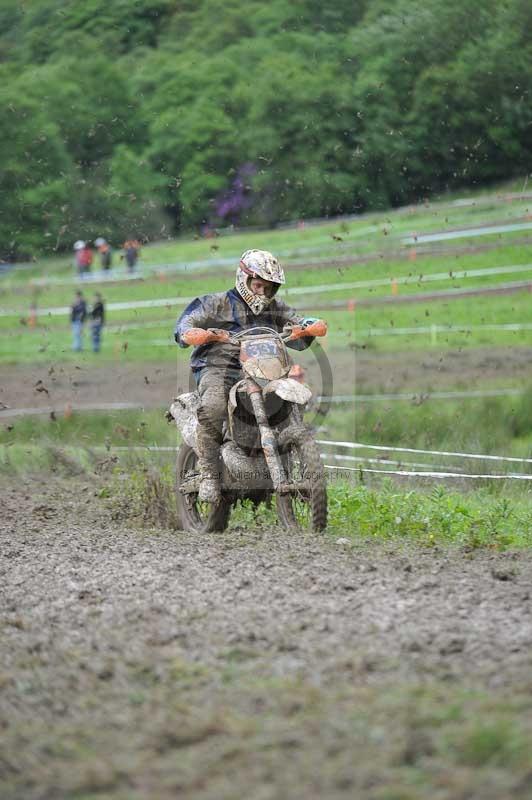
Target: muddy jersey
pixel 227 310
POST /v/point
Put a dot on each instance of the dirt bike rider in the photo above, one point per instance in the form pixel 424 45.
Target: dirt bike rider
pixel 215 364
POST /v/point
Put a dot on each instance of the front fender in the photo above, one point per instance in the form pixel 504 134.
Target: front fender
pixel 290 390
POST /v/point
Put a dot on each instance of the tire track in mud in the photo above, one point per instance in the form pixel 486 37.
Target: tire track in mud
pixel 150 663
pixel 264 587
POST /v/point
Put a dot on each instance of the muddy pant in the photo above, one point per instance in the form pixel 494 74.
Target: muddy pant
pixel 214 387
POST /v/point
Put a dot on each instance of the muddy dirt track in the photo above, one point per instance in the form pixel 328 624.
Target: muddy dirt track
pixel 154 384
pixel 156 664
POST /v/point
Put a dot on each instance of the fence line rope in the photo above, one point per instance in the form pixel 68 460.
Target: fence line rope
pixel 353 445
pixel 412 280
pixel 386 462
pixel 418 330
pixel 431 474
pixel 359 469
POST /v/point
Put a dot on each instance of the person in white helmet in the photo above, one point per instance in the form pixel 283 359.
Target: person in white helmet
pixel 79 248
pixel 215 365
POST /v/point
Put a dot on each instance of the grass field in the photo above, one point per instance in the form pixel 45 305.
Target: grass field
pixel 468 513
pixel 145 328
pixel 462 322
pixel 387 658
pixel 439 425
pixel 357 273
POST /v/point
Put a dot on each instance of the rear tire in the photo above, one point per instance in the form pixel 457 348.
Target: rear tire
pixel 194 515
pixel 301 459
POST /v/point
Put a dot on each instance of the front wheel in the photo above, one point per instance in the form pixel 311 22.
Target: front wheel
pixel 194 515
pixel 306 508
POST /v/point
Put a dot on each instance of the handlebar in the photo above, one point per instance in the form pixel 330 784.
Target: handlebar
pixel 199 336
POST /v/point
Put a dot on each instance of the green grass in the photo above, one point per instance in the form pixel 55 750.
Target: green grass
pixel 120 428
pixel 54 346
pixel 142 490
pixel 433 425
pixel 52 342
pixel 364 236
pixel 483 513
pixel 218 279
pixel 465 314
pixel 477 518
pixel 426 517
pixel 366 231
pixel 451 425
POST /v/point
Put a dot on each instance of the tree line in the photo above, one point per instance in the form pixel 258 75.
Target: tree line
pixel 145 117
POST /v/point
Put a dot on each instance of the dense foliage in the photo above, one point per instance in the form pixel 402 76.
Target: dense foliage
pixel 139 117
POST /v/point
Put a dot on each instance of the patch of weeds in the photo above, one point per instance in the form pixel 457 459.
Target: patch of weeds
pixel 498 743
pixel 181 671
pixel 42 458
pixel 137 698
pixel 238 654
pixel 145 494
pixel 145 675
pixel 230 675
pixel 483 425
pixel 247 514
pixel 474 519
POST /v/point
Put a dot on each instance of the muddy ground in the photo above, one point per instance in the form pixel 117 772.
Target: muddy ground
pixel 354 371
pixel 257 664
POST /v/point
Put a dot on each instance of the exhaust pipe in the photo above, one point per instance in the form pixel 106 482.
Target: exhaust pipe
pixel 249 472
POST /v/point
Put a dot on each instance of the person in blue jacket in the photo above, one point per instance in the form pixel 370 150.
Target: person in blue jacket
pixel 78 315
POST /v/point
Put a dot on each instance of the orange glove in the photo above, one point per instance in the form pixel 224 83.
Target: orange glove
pixel 197 336
pixel 317 328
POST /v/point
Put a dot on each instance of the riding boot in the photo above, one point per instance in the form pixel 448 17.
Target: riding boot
pixel 209 466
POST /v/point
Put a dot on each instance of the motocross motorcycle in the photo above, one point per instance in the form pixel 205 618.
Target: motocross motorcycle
pixel 267 452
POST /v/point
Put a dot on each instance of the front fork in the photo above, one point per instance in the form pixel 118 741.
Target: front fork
pixel 267 438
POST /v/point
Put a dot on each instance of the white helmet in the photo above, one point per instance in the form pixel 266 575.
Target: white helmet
pixel 79 245
pixel 258 264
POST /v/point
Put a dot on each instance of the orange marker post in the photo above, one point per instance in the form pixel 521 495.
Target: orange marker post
pixel 32 317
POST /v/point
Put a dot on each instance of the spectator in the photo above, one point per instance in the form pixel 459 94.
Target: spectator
pixel 78 315
pixel 131 253
pixel 79 247
pixel 106 255
pixel 97 316
pixel 85 260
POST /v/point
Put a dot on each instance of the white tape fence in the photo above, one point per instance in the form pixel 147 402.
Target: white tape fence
pixel 432 471
pixel 424 470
